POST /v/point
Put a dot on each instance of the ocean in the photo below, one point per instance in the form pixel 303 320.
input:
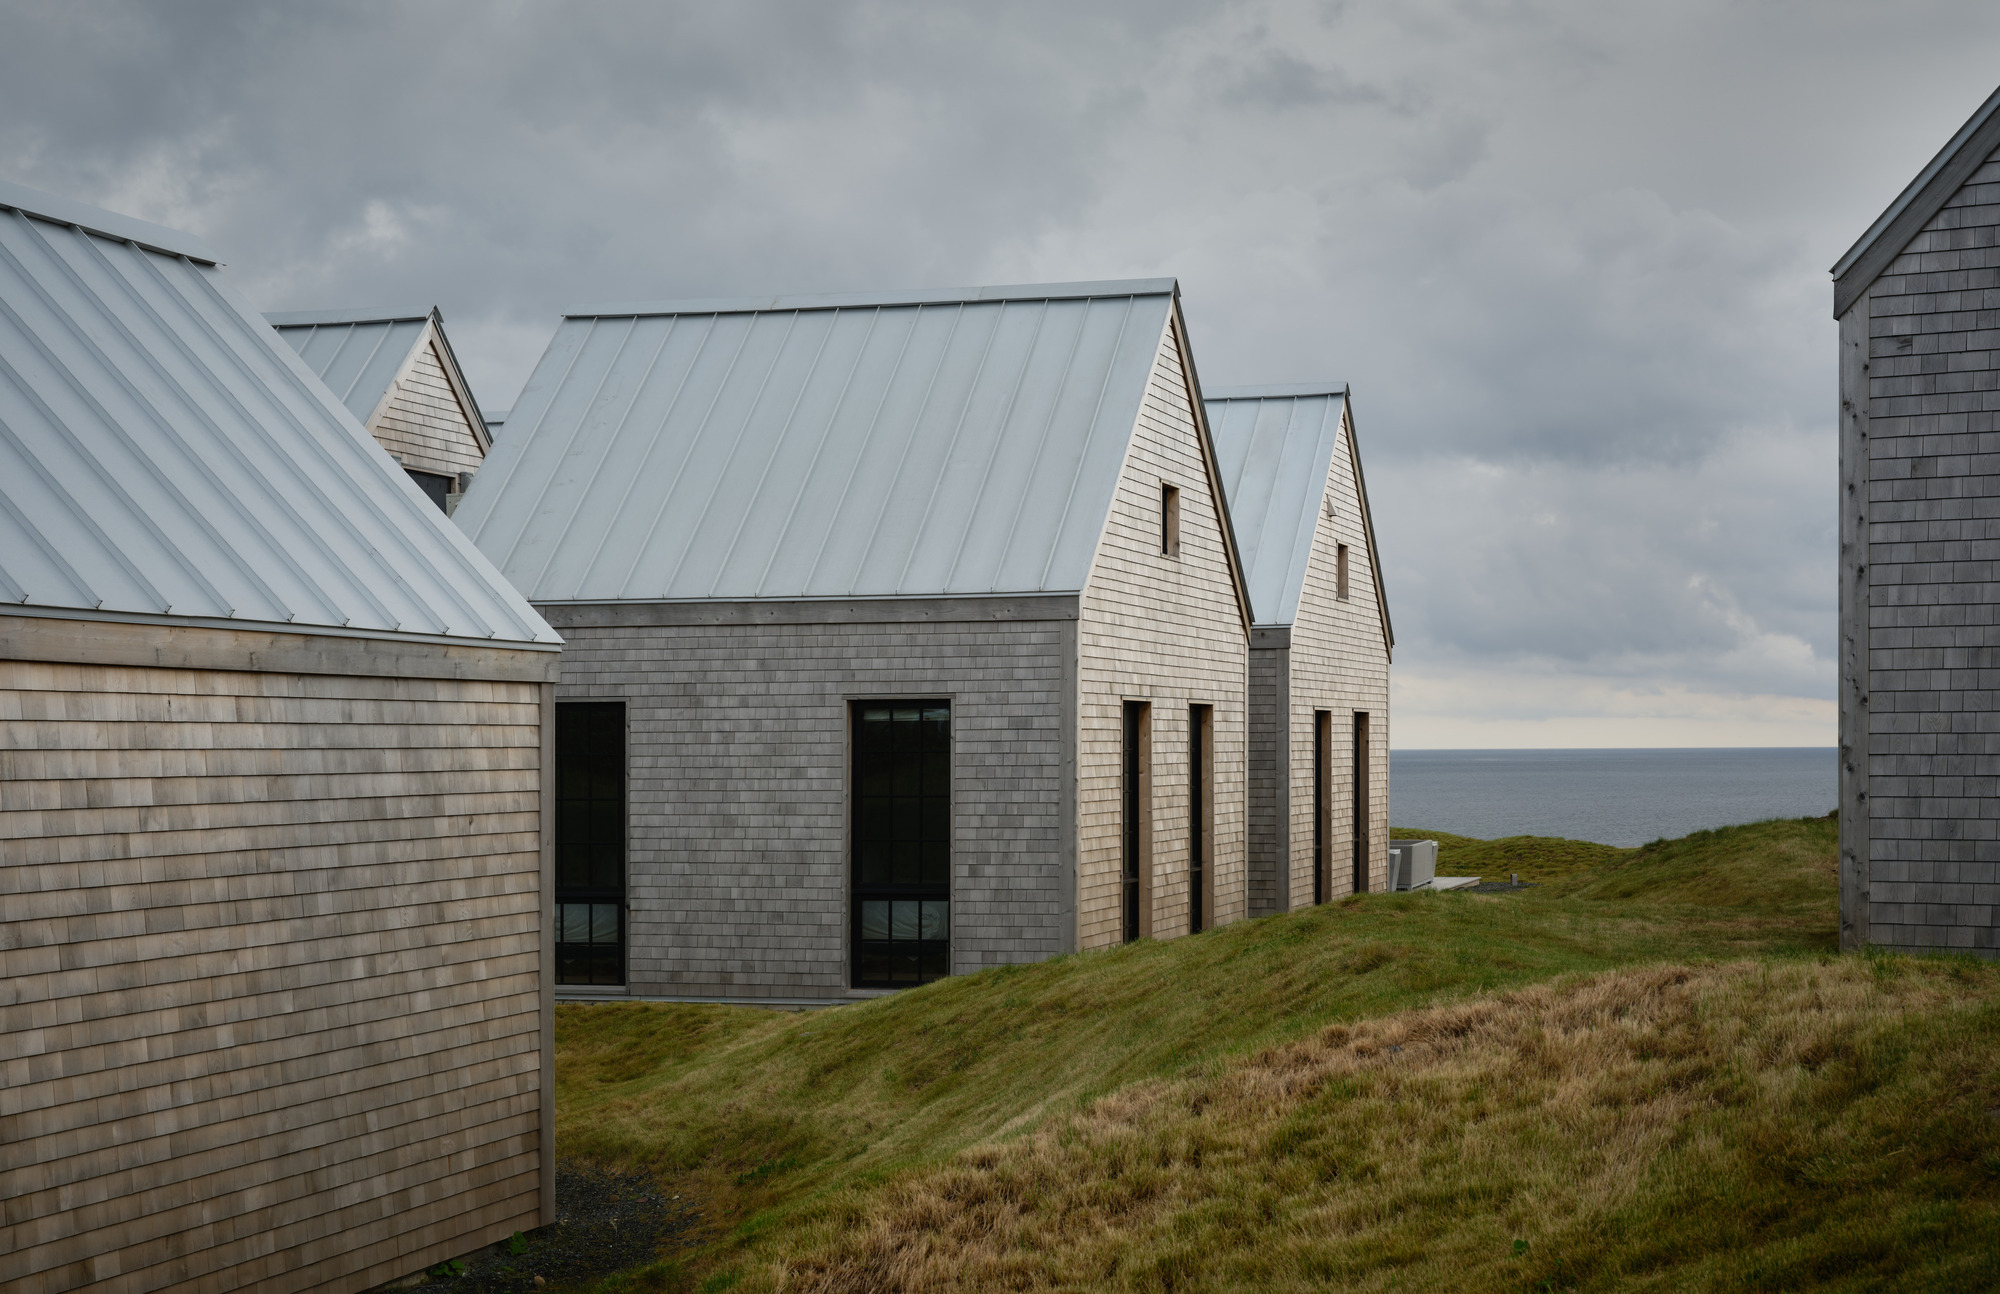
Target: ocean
pixel 1615 797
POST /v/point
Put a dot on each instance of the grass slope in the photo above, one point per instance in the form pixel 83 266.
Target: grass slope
pixel 1648 1072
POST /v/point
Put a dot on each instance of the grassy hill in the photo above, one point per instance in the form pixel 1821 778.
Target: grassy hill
pixel 1651 1071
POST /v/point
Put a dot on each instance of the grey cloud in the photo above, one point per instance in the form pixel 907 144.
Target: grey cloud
pixel 1571 255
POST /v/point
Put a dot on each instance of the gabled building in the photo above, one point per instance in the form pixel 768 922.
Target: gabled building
pixel 1320 645
pixel 395 372
pixel 272 735
pixel 1919 601
pixel 906 634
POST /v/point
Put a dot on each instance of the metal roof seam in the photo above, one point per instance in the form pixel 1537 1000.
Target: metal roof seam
pixel 715 486
pixel 56 210
pixel 1000 428
pixel 34 534
pixel 1096 411
pixel 819 450
pixel 916 423
pixel 194 409
pixel 105 476
pixel 1035 461
pixel 756 492
pixel 492 514
pixel 680 470
pixel 72 507
pixel 950 451
pixel 1295 570
pixel 611 442
pixel 847 486
pixel 256 424
pixel 388 568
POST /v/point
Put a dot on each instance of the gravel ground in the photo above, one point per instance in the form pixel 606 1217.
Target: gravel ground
pixel 606 1221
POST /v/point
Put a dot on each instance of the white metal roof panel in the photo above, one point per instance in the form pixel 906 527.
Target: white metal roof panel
pixel 357 353
pixel 1275 446
pixel 924 444
pixel 162 454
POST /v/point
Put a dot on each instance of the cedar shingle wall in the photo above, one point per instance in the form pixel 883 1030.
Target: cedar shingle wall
pixel 1165 630
pixel 1934 591
pixel 268 976
pixel 738 867
pixel 1339 662
pixel 424 422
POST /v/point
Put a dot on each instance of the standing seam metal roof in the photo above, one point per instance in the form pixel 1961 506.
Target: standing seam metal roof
pixel 356 353
pixel 1275 446
pixel 163 454
pixel 909 444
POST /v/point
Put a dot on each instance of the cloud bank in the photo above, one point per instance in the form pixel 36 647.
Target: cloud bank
pixel 1571 255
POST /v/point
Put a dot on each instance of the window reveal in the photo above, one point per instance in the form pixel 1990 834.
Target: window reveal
pixel 902 842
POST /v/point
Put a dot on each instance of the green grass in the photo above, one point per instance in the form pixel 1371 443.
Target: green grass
pixel 1651 1070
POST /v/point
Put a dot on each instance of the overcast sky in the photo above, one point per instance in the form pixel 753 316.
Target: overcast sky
pixel 1572 256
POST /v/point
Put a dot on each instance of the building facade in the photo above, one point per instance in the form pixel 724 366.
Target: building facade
pixel 273 983
pixel 906 635
pixel 1319 648
pixel 1917 299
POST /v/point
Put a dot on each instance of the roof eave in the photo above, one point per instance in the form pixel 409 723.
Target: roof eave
pixel 1919 201
pixel 866 300
pixel 107 224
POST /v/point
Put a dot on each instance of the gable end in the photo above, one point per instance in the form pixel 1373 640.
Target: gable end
pixel 1915 207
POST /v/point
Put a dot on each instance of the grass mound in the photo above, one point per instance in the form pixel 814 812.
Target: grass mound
pixel 885 1144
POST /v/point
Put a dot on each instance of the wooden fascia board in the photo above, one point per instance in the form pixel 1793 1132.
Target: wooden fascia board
pixel 1954 164
pixel 1228 524
pixel 459 387
pixel 1367 522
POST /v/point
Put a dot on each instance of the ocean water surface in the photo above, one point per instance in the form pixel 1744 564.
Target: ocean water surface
pixel 1615 797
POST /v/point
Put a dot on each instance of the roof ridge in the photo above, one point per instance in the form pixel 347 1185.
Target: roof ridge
pixel 1278 392
pixel 1079 290
pixel 356 315
pixel 108 224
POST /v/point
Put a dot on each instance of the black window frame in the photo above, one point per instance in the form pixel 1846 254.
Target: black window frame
pixel 590 850
pixel 901 829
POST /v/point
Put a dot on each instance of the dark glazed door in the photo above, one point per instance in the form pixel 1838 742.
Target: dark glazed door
pixel 902 843
pixel 590 842
pixel 1322 811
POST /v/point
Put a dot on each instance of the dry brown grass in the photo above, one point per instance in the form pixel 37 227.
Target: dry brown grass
pixel 1751 1125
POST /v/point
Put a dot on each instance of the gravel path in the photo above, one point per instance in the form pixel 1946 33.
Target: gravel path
pixel 606 1221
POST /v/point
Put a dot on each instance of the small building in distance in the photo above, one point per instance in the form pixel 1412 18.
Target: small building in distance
pixel 394 371
pixel 906 634
pixel 1320 645
pixel 272 735
pixel 1918 299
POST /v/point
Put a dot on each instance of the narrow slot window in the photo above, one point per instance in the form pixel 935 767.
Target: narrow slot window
pixel 1340 571
pixel 1170 521
pixel 1322 810
pixel 1361 823
pixel 1138 803
pixel 902 843
pixel 590 842
pixel 1201 763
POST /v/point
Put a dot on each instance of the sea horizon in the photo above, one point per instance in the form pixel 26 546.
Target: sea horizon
pixel 1615 795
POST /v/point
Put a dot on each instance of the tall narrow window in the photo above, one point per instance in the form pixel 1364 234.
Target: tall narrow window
pixel 1201 768
pixel 1138 807
pixel 1170 521
pixel 1322 811
pixel 902 842
pixel 590 842
pixel 1360 803
pixel 1340 571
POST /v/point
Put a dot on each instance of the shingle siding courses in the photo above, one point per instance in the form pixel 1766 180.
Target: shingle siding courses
pixel 270 947
pixel 738 871
pixel 1933 537
pixel 1170 631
